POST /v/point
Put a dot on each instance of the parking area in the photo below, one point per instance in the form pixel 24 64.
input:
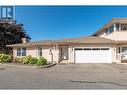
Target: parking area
pixel 70 76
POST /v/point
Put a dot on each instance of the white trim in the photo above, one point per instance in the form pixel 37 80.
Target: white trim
pixel 21 51
pixel 114 27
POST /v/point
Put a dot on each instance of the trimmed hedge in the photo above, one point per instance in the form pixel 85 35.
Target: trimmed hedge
pixel 5 58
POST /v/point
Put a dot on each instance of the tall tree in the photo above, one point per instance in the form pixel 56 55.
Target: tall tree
pixel 11 33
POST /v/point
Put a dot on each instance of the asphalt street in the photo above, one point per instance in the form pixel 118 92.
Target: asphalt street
pixel 70 76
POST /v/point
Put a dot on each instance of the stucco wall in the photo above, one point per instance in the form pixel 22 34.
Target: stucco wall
pixel 117 35
pixel 29 51
pixel 72 46
pixel 14 52
pixel 102 34
pixel 45 52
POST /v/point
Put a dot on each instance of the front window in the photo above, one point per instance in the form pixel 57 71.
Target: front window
pixel 123 26
pixel 21 51
pixel 39 51
pixel 18 51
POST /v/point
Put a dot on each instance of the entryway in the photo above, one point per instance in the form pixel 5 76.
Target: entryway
pixel 63 53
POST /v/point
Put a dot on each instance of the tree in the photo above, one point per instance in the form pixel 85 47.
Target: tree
pixel 11 33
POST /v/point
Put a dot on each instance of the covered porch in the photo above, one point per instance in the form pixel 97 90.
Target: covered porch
pixel 122 52
pixel 63 53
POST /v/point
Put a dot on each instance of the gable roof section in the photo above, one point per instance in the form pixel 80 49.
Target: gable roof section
pixel 80 40
pixel 114 20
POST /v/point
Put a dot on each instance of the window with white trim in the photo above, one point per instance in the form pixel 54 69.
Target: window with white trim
pixel 39 51
pixel 21 51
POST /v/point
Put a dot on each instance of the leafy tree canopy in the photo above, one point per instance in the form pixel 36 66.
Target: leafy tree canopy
pixel 11 33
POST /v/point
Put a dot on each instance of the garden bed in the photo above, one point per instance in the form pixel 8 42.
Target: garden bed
pixel 26 61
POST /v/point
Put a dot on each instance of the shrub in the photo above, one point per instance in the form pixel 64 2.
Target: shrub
pixel 5 58
pixel 41 61
pixel 26 59
pixel 33 61
pixel 23 60
pixel 16 60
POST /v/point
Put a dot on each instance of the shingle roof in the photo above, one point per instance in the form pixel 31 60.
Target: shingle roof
pixel 80 40
pixel 87 40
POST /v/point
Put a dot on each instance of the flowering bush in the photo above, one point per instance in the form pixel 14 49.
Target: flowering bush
pixel 25 60
pixel 41 61
pixel 31 60
pixel 5 58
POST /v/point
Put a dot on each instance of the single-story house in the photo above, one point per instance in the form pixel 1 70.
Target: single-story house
pixel 107 45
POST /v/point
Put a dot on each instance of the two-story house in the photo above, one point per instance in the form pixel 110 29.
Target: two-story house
pixel 107 45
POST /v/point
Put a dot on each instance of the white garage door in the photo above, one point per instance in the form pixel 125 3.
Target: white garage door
pixel 93 55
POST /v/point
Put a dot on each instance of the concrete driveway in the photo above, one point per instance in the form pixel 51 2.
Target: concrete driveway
pixel 71 76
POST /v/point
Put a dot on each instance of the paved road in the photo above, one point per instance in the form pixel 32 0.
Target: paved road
pixel 71 76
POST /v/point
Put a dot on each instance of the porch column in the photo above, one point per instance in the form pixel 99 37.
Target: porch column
pixel 119 27
pixel 114 26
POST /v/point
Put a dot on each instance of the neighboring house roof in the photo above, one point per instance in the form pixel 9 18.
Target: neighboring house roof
pixel 114 20
pixel 80 40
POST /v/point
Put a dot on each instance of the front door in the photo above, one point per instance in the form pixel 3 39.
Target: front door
pixel 64 52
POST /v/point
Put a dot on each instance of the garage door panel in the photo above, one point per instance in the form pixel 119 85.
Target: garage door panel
pixel 93 56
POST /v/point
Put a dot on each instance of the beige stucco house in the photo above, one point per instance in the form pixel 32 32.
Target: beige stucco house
pixel 107 45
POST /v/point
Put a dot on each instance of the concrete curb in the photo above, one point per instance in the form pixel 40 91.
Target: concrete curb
pixel 26 66
pixel 45 66
pixel 122 63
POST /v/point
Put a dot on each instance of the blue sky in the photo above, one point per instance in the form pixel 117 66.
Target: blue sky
pixel 56 22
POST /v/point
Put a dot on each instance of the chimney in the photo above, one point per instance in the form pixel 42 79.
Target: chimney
pixel 24 40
